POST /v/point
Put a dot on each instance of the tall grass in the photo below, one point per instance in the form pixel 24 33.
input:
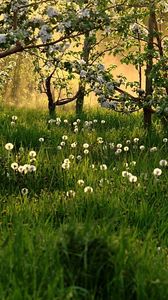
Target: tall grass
pixel 101 238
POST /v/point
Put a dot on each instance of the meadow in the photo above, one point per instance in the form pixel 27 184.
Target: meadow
pixel 84 207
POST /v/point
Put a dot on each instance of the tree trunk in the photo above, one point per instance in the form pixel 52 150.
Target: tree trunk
pixel 51 102
pixel 149 65
pixel 80 99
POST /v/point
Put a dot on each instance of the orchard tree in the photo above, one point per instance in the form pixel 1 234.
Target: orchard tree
pixel 142 26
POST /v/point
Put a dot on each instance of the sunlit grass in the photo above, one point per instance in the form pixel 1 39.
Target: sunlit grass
pixel 79 224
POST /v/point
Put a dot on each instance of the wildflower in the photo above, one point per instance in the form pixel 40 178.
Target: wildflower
pixel 62 144
pixel 92 166
pixel 21 149
pixel 21 169
pixel 124 173
pixel 95 121
pixel 71 157
pixel 32 154
pixel 75 124
pixel 157 172
pixel 85 146
pixel 79 157
pixel 14 166
pixel 24 191
pixel 66 161
pixel 64 137
pixel 73 145
pixel 59 147
pixel 136 140
pixel 13 123
pixel 14 118
pixel 103 167
pixel 163 163
pixel 26 168
pixel 88 189
pixel 142 147
pixel 70 194
pixel 51 121
pixel 119 146
pixel 86 151
pixel 65 121
pixel 32 168
pixel 100 140
pixel 132 179
pixel 153 149
pixel 80 182
pixel 133 163
pixel 118 151
pixel 126 165
pixel 165 140
pixel 9 146
pixel 41 140
pixel 78 121
pixel 32 160
pixel 126 149
pixel 103 121
pixel 66 164
pixel 128 142
pixel 76 130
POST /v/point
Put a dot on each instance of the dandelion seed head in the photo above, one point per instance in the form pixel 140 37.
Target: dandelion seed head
pixel 103 167
pixel 132 179
pixel 157 172
pixel 86 151
pixel 70 194
pixel 24 191
pixel 80 182
pixel 126 148
pixel 88 189
pixel 85 146
pixel 153 149
pixel 9 146
pixel 142 147
pixel 163 163
pixel 32 154
pixel 14 166
pixel 64 137
pixel 41 140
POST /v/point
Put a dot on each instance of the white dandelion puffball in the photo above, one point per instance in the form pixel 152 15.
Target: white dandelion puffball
pixel 86 151
pixel 24 191
pixel 14 118
pixel 132 179
pixel 163 163
pixel 165 140
pixel 103 167
pixel 41 140
pixel 126 148
pixel 14 166
pixel 157 172
pixel 80 182
pixel 9 146
pixel 85 146
pixel 64 137
pixel 142 147
pixel 32 154
pixel 125 173
pixel 70 194
pixel 88 189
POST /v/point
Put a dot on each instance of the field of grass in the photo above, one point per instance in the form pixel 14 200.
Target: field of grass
pixel 83 207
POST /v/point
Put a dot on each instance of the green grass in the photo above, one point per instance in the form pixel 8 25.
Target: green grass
pixel 58 242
